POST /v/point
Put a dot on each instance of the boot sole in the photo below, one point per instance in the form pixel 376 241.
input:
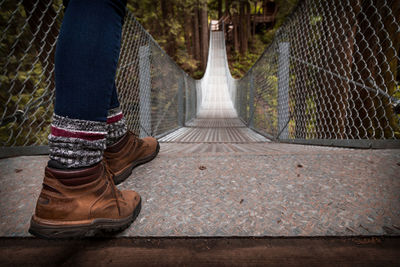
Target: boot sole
pixel 96 227
pixel 128 171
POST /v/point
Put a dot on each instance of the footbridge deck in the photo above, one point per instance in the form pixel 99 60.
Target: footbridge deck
pixel 216 120
pixel 217 177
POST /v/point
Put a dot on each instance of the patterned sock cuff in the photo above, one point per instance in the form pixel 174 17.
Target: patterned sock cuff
pixel 116 125
pixel 77 143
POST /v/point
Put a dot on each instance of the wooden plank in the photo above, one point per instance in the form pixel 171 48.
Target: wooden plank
pixel 371 251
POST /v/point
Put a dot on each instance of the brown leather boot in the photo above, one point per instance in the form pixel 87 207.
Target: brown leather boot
pixel 64 210
pixel 128 153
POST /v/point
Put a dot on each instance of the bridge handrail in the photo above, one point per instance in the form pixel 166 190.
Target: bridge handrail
pixel 156 95
pixel 329 77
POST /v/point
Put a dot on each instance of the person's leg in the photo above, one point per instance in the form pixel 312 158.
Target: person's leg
pixel 86 61
pixel 86 58
pixel 116 124
pixel 114 103
pixel 78 194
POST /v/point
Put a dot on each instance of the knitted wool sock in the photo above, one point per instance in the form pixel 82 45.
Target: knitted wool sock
pixel 77 143
pixel 116 126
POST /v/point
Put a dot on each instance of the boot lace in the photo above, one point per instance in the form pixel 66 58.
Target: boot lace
pixel 136 138
pixel 114 189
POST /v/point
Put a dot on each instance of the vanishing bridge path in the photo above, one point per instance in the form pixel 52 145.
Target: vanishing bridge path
pixel 217 121
pixel 217 177
pixel 306 143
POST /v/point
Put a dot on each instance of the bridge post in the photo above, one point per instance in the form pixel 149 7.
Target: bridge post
pixel 251 101
pixel 181 115
pixel 144 91
pixel 199 95
pixel 283 90
pixel 190 100
pixel 187 99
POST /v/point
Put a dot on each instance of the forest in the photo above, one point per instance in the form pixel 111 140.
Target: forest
pixel 182 28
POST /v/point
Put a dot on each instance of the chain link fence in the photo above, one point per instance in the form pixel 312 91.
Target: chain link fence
pixel 27 42
pixel 330 77
pixel 155 94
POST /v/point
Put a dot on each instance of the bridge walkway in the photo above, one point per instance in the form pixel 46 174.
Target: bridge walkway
pixel 216 177
pixel 216 120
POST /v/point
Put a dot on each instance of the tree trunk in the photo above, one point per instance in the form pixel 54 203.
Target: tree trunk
pixel 187 31
pixel 254 23
pixel 219 9
pixel 235 33
pixel 375 66
pixel 196 37
pixel 242 29
pixel 204 34
pixel 331 97
pixel 264 7
pixel 227 6
pixel 303 92
pixel 248 17
pixel 167 10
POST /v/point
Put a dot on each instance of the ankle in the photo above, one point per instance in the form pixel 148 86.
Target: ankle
pixel 76 143
pixel 75 176
pixel 119 144
pixel 116 126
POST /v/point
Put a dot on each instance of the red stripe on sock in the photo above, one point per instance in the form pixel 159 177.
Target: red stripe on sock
pixel 115 118
pixel 81 135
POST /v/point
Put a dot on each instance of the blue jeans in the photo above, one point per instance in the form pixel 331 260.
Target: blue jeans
pixel 86 58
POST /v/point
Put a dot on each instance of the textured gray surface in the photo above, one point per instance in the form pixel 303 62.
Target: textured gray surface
pixel 216 177
pixel 214 135
pixel 215 123
pixel 244 190
pixel 303 193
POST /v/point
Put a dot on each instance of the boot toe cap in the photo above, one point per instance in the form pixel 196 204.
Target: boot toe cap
pixel 151 142
pixel 152 146
pixel 131 197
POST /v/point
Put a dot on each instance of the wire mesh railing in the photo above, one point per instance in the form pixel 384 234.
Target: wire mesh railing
pixel 29 33
pixel 331 76
pixel 155 94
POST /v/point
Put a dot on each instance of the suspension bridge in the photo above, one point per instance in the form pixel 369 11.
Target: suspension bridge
pixel 280 152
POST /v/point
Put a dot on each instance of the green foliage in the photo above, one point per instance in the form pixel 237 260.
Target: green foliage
pixel 397 96
pixel 24 87
pixel 285 8
pixel 239 65
pixel 169 32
